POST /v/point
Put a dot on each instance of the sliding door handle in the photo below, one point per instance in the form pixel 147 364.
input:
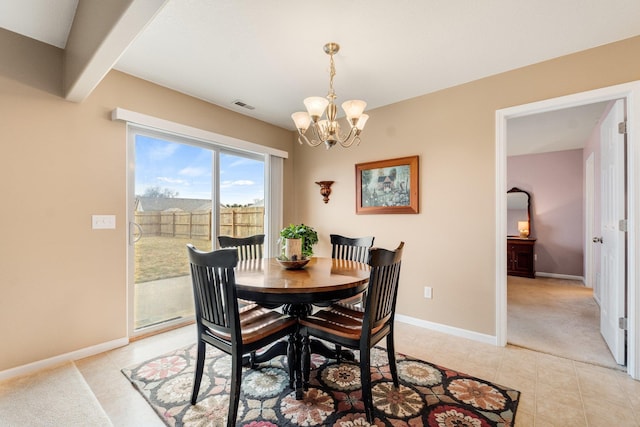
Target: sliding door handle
pixel 132 237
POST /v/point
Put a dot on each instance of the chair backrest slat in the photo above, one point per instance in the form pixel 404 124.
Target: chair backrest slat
pixel 350 248
pixel 248 247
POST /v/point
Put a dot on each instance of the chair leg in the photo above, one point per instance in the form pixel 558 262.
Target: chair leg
pixel 292 359
pixel 306 361
pixel 198 373
pixel 365 380
pixel 391 355
pixel 234 393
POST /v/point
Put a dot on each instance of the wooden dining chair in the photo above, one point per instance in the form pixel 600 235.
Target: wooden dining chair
pixel 351 248
pixel 357 329
pixel 221 324
pixel 248 247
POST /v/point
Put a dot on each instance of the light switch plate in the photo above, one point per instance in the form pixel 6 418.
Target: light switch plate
pixel 103 222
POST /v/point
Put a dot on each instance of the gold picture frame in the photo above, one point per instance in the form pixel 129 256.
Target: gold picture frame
pixel 388 186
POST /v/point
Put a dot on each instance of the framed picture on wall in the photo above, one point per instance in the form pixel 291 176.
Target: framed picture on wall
pixel 387 186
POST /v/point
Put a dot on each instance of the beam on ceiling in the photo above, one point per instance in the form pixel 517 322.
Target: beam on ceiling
pixel 100 34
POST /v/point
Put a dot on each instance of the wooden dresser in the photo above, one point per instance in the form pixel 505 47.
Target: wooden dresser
pixel 520 257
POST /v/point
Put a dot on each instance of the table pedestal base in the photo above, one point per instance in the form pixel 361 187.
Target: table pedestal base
pixel 318 347
pixel 280 348
pixel 293 349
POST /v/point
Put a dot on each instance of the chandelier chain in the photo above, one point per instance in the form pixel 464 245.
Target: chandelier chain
pixel 332 73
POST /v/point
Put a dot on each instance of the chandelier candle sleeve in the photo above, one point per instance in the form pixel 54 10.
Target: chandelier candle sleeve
pixel 327 130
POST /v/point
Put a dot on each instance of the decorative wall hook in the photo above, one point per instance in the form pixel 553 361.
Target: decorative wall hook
pixel 325 189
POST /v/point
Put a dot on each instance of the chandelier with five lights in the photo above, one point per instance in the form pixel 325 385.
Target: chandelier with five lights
pixel 327 130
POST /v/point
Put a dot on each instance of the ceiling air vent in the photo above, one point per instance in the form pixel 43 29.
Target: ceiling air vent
pixel 242 104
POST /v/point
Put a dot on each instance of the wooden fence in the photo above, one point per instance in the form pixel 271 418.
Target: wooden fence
pixel 241 222
pixel 237 222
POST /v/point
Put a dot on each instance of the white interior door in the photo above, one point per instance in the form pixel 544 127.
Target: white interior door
pixel 589 202
pixel 612 304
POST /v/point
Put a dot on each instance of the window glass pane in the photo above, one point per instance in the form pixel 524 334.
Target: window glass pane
pixel 173 193
pixel 241 195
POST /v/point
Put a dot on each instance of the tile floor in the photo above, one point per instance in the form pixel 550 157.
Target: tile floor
pixel 555 391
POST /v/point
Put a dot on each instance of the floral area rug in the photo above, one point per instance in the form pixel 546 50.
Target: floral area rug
pixel 429 395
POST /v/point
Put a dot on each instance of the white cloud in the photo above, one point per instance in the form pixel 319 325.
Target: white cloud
pixel 237 183
pixel 193 171
pixel 171 180
pixel 241 162
pixel 162 151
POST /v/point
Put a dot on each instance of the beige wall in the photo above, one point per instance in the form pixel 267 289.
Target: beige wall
pixel 62 284
pixel 450 245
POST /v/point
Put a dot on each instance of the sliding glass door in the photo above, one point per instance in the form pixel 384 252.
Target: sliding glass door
pixel 183 191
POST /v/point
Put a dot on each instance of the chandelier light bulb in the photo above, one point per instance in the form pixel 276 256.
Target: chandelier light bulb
pixel 353 109
pixel 302 120
pixel 361 121
pixel 316 106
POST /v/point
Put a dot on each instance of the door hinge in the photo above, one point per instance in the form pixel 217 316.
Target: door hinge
pixel 622 323
pixel 622 127
pixel 622 225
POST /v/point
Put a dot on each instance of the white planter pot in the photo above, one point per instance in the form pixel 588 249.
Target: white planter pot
pixel 293 247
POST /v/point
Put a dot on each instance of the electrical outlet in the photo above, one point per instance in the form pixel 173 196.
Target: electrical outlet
pixel 103 222
pixel 428 292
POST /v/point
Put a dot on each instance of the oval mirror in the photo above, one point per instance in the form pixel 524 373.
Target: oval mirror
pixel 518 213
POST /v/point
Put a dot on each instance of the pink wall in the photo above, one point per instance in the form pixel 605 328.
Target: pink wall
pixel 555 182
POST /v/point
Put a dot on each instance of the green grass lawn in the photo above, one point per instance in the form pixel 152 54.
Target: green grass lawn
pixel 162 257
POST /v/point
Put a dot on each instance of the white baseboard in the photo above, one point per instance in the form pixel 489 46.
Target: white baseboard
pixel 560 276
pixel 451 330
pixel 56 360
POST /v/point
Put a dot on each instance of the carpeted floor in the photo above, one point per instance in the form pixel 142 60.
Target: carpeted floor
pixel 558 317
pixel 428 395
pixel 53 397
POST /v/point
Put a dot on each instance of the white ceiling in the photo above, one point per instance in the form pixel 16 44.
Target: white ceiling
pixel 42 20
pixel 566 129
pixel 268 53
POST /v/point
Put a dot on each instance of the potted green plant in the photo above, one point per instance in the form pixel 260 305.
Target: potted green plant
pixel 298 241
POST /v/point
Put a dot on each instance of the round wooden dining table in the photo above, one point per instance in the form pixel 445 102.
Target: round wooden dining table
pixel 320 282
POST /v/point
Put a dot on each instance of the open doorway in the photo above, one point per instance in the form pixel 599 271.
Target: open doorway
pixel 551 310
pixel 629 92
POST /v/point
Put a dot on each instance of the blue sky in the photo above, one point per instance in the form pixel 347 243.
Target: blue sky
pixel 187 170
